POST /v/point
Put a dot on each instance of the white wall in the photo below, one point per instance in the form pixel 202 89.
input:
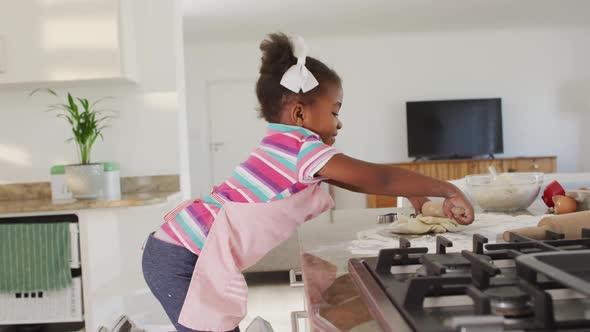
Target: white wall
pixel 144 139
pixel 542 76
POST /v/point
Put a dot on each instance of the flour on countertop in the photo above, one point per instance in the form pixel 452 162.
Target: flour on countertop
pixel 490 225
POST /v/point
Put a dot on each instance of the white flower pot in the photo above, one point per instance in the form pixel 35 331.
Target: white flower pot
pixel 85 181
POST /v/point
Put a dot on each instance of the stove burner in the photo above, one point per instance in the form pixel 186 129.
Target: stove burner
pixel 448 264
pixel 509 301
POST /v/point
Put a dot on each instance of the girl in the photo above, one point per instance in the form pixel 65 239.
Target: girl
pixel 270 193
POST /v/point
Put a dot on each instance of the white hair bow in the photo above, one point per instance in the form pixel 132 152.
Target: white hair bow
pixel 298 77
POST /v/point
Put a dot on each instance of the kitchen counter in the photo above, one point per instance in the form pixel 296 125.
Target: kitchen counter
pixel 127 200
pixel 135 191
pixel 329 241
pixel 110 242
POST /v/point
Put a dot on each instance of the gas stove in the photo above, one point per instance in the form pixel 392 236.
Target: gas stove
pixel 521 285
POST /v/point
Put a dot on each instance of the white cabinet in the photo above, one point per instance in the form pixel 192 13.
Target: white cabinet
pixel 65 41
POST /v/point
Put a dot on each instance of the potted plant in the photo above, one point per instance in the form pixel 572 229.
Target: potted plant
pixel 87 122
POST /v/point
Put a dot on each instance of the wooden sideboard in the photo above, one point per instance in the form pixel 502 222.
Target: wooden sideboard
pixel 458 169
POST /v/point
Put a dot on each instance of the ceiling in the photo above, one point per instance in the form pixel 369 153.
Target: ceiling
pixel 230 20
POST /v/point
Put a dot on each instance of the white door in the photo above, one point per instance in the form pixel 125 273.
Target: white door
pixel 236 128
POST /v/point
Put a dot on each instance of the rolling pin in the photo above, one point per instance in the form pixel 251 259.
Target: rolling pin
pixel 435 209
pixel 570 224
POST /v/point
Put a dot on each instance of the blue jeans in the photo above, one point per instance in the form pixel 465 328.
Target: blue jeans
pixel 167 270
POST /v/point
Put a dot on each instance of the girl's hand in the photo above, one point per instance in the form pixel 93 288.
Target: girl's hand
pixel 417 203
pixel 459 208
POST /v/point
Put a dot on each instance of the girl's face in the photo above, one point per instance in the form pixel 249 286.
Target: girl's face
pixel 321 116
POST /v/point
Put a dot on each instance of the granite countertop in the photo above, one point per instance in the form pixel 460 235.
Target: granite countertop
pixel 127 200
pixel 136 191
pixel 328 242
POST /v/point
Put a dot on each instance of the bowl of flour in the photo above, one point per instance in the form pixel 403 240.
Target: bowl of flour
pixel 506 192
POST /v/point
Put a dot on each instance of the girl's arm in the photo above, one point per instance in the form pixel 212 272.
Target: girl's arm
pixel 416 202
pixel 370 178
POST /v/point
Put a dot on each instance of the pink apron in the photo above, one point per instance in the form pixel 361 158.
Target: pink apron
pixel 240 236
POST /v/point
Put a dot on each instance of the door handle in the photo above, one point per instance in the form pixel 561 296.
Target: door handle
pixel 215 146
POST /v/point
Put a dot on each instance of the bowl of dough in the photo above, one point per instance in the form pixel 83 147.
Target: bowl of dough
pixel 506 192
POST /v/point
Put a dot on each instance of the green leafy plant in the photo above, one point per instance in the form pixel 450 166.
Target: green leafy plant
pixel 86 121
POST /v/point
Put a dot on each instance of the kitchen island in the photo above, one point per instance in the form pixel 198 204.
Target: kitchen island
pixel 333 302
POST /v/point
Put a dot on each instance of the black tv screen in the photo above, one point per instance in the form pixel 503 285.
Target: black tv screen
pixel 454 128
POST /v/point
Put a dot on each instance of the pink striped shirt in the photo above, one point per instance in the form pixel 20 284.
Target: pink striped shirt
pixel 286 162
